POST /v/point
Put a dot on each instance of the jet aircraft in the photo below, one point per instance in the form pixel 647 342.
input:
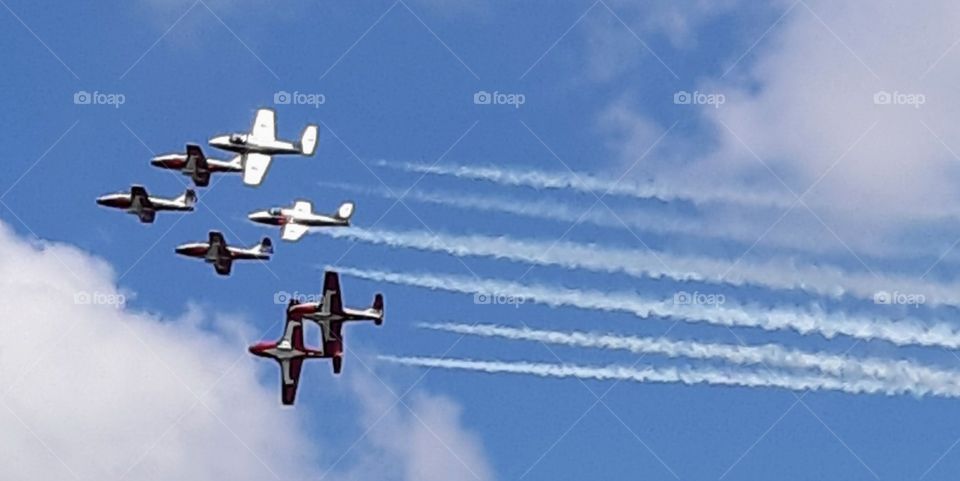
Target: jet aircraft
pixel 216 251
pixel 196 165
pixel 141 204
pixel 259 145
pixel 298 220
pixel 330 314
pixel 289 352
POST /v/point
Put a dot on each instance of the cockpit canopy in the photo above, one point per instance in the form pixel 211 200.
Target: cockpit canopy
pixel 237 139
pixel 274 211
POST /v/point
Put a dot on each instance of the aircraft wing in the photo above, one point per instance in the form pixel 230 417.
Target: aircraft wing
pixel 138 195
pixel 255 168
pixel 195 157
pixel 293 232
pixel 332 300
pixel 265 125
pixel 303 207
pixel 293 334
pixel 290 379
pixel 219 244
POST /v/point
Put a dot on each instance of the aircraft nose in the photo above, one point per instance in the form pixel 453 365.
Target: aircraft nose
pixel 101 201
pixel 258 216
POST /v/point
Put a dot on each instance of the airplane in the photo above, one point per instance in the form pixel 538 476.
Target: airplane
pixel 330 316
pixel 139 203
pixel 297 221
pixel 196 165
pixel 258 146
pixel 289 352
pixel 217 252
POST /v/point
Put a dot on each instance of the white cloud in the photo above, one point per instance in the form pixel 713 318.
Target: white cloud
pixel 803 102
pixel 98 391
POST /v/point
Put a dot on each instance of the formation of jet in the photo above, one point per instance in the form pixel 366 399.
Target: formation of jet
pixel 216 251
pixel 141 204
pixel 330 315
pixel 296 221
pixel 253 153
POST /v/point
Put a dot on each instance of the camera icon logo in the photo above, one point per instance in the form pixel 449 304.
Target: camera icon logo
pixel 82 97
pixel 482 97
pixel 282 98
pixel 682 97
pixel 281 297
pixel 482 298
pixel 82 298
pixel 682 298
pixel 882 98
pixel 882 297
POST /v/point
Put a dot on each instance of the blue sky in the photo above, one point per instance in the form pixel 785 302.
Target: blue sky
pixel 598 81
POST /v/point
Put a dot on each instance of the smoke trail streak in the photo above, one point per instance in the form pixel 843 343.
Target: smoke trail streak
pixel 684 375
pixel 586 183
pixel 639 220
pixel 903 332
pixel 897 374
pixel 781 274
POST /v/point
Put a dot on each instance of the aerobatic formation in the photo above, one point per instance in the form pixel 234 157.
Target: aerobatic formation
pixel 253 153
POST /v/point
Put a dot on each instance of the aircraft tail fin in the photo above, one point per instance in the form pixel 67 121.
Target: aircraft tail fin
pixel 345 211
pixel 309 139
pixel 188 198
pixel 265 246
pixel 378 308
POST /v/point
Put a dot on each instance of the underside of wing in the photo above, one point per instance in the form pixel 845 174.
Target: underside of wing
pixel 196 161
pixel 139 196
pixel 331 293
pixel 290 379
pixel 293 232
pixel 255 168
pixel 265 125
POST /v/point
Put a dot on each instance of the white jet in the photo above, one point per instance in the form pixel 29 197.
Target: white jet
pixel 298 220
pixel 257 147
pixel 139 203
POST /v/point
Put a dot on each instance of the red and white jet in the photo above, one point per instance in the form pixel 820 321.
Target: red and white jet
pixel 330 316
pixel 196 165
pixel 216 251
pixel 258 147
pixel 297 221
pixel 139 203
pixel 289 352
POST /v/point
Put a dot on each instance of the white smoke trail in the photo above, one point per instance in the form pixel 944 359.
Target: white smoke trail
pixel 634 220
pixel 903 332
pixel 586 183
pixel 685 375
pixel 775 274
pixel 897 374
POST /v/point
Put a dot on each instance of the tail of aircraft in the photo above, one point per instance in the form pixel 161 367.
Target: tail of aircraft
pixel 378 307
pixel 266 246
pixel 308 140
pixel 345 211
pixel 188 198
